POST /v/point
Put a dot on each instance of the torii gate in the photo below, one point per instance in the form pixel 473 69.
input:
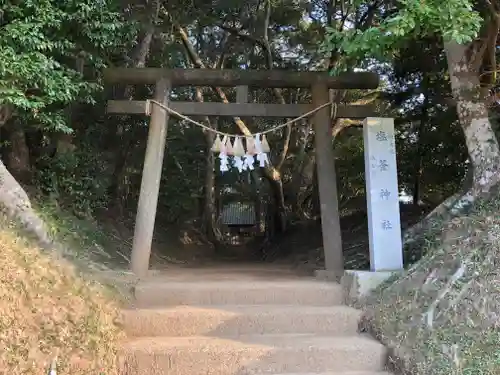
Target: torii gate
pixel 319 82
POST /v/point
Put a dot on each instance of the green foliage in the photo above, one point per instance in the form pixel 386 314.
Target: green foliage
pixel 67 228
pixel 453 20
pixel 76 179
pixel 86 241
pixel 40 42
pixel 183 174
pixel 430 141
pixel 349 166
pixel 42 39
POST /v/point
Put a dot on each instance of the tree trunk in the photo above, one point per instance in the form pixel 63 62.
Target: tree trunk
pixel 117 190
pixel 209 206
pixel 65 144
pixel 315 201
pixel 424 118
pixel 272 175
pixel 18 155
pixel 14 203
pixel 276 185
pixel 139 57
pixel 482 145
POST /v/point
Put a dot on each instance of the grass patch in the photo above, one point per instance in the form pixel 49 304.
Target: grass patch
pixel 50 313
pixel 443 313
pixel 92 245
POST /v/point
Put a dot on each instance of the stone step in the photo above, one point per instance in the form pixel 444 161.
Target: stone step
pixel 289 292
pixel 231 321
pixel 252 354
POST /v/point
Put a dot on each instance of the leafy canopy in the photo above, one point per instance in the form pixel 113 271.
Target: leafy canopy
pixel 452 19
pixel 40 42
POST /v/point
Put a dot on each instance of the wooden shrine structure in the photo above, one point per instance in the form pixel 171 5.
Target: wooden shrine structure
pixel 164 79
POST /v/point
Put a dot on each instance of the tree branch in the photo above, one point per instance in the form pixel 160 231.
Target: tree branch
pixel 195 58
pixel 266 49
pixel 270 171
pixel 367 19
pixel 225 43
pixel 6 112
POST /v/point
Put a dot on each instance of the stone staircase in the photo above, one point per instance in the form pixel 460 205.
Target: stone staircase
pixel 244 325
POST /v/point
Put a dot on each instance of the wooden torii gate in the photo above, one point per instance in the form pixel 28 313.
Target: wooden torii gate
pixel 164 79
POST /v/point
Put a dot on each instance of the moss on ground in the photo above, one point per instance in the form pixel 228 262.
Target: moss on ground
pixel 50 313
pixel 443 314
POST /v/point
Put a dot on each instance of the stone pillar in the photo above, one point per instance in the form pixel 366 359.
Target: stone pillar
pixel 150 183
pixel 327 183
pixel 382 195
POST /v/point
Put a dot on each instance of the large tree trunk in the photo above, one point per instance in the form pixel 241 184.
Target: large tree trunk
pixel 482 145
pixel 14 203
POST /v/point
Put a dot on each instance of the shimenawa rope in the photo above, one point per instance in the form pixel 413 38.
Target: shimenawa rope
pixel 208 128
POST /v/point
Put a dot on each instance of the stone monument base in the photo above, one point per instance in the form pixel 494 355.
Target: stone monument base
pixel 358 284
pixel 326 275
pixel 355 284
